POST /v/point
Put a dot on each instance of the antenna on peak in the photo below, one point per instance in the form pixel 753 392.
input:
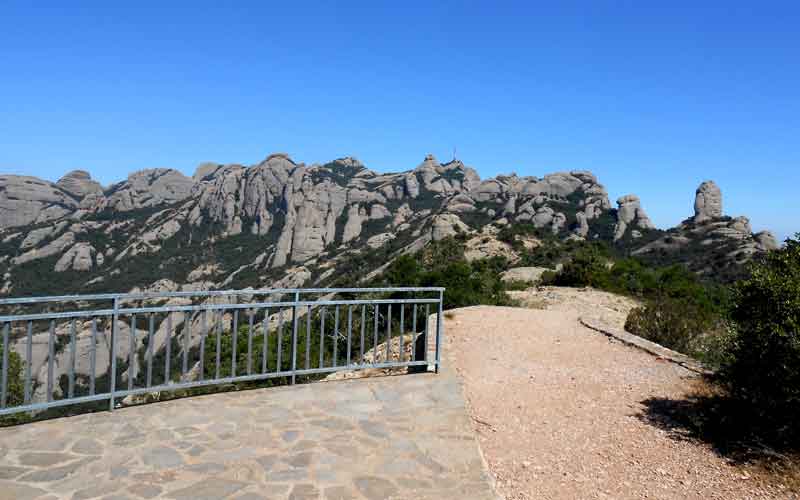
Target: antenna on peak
pixel 454 153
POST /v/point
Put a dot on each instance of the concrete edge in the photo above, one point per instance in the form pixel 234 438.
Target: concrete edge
pixel 646 345
pixel 447 369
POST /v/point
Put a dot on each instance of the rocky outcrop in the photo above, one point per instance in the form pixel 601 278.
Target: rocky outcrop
pixel 447 225
pixel 710 243
pixel 707 202
pixel 55 247
pixel 767 240
pixel 524 274
pixel 163 232
pixel 77 258
pixel 355 218
pixel 630 215
pixel 379 240
pixel 148 188
pixel 38 235
pixel 79 184
pixel 28 200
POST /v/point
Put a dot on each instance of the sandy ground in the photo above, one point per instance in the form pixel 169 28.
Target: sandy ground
pixel 558 408
pixel 608 308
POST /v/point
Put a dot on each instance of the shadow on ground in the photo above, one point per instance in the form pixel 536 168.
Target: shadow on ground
pixel 729 427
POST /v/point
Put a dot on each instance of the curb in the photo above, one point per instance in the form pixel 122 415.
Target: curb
pixel 647 346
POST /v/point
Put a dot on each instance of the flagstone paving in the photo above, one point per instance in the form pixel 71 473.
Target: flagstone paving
pixel 398 437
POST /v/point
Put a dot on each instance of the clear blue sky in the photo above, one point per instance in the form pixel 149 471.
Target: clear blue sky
pixel 654 97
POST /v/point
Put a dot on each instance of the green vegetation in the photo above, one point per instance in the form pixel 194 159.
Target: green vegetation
pixel 683 325
pixel 15 392
pixel 748 410
pixel 442 263
pixel 764 370
pixel 680 311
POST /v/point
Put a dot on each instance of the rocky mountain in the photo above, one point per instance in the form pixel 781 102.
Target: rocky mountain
pixel 282 223
pixel 709 243
pixel 285 224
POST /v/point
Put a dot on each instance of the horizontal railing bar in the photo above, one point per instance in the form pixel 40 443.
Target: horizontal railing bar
pixel 56 403
pixel 208 293
pixel 262 376
pixel 202 383
pixel 206 307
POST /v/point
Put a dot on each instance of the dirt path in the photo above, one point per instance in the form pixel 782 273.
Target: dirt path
pixel 558 410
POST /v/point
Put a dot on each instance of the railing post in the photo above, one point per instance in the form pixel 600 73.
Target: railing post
pixel 439 331
pixel 294 335
pixel 421 343
pixel 113 375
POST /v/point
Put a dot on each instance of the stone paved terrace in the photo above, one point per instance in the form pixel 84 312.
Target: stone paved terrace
pixel 397 437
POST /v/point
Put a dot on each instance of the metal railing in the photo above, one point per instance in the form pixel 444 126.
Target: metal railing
pixel 74 353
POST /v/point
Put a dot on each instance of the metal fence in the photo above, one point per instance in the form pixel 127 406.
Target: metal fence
pixel 64 350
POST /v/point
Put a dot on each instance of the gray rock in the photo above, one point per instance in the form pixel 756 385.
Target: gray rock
pixel 378 212
pixel 26 200
pixel 411 185
pixel 379 240
pixel 355 218
pixel 544 216
pixel 77 258
pixel 767 240
pixel 461 203
pixel 54 247
pixel 630 215
pixel 147 188
pixel 204 170
pixel 707 202
pixel 163 232
pixel 526 274
pixel 445 225
pixel 38 235
pixel 583 224
pixel 79 184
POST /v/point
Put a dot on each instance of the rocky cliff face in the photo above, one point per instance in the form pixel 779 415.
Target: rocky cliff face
pixel 235 226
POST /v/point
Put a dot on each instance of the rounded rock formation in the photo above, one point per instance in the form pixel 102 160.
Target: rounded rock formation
pixel 707 202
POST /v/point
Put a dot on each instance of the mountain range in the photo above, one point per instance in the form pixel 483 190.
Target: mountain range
pixel 280 223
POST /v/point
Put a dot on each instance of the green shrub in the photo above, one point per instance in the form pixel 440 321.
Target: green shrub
pixel 681 325
pixel 764 371
pixel 588 267
pixel 15 395
pixel 15 391
pixel 442 263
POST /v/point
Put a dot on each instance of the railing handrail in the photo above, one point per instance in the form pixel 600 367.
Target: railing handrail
pixel 207 293
pixel 207 307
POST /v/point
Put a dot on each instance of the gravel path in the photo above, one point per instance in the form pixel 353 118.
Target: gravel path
pixel 558 412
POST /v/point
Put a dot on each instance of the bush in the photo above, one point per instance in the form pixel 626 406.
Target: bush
pixel 764 371
pixel 15 392
pixel 681 325
pixel 442 263
pixel 15 395
pixel 588 267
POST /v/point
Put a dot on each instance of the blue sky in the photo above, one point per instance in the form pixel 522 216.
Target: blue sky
pixel 654 97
